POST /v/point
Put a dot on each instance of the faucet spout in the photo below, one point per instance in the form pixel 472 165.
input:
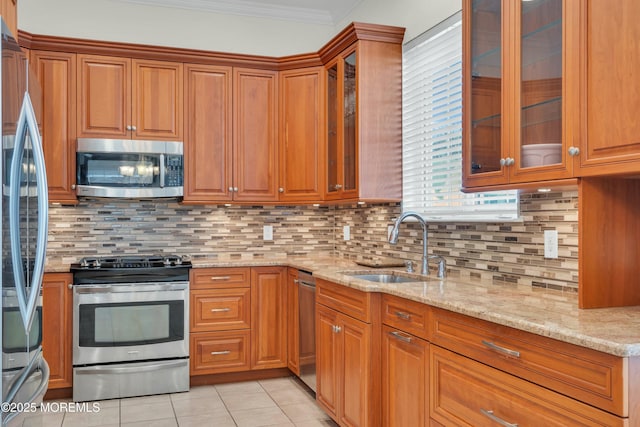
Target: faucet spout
pixel 395 232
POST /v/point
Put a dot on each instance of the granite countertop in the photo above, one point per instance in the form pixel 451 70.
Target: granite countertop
pixel 549 313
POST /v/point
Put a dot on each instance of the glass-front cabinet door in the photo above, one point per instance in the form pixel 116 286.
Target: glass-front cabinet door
pixel 342 129
pixel 514 117
pixel 539 71
pixel 483 86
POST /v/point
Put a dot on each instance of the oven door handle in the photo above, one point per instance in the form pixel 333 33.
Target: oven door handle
pixel 129 369
pixel 107 289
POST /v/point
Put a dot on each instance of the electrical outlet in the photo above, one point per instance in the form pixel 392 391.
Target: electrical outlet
pixel 346 232
pixel 267 232
pixel 551 244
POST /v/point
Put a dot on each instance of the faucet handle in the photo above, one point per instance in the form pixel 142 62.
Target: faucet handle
pixel 409 265
pixel 442 265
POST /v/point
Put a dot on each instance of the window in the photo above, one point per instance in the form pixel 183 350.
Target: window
pixel 432 132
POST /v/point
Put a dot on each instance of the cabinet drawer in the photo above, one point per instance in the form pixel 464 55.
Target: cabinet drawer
pixel 211 278
pixel 219 352
pixel 408 316
pixel 220 309
pixel 586 375
pixel 346 300
pixel 464 392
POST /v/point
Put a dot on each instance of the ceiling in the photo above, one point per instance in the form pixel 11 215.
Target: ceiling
pixel 324 12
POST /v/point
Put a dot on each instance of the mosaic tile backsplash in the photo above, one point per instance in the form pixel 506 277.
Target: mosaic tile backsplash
pixel 504 252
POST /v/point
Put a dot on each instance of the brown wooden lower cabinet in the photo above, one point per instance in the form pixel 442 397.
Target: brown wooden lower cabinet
pixel 220 352
pixel 468 393
pixel 268 318
pixel 57 333
pixel 293 326
pixel 405 373
pixel 343 362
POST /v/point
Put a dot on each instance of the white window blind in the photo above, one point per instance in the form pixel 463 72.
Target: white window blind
pixel 432 132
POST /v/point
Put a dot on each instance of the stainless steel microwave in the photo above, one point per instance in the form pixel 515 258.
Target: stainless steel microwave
pixel 129 168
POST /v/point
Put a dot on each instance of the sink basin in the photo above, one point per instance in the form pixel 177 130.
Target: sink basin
pixel 384 278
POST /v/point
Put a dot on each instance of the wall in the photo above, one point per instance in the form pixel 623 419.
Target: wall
pixel 163 26
pixel 101 228
pixel 506 252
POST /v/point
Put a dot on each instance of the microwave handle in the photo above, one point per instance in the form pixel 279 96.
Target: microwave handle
pixel 162 170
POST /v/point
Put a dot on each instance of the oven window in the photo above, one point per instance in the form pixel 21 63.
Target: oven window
pixel 14 338
pixel 132 323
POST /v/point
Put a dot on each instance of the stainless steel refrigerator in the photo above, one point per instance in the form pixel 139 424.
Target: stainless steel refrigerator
pixel 24 204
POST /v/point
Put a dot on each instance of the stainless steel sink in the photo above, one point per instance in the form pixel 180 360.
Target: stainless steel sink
pixel 383 277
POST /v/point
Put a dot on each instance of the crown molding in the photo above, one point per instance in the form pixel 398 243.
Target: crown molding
pixel 245 8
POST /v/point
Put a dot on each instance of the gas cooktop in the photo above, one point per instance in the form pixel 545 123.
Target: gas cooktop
pixel 132 262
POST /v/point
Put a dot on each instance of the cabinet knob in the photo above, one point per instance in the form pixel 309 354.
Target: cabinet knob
pixel 73 186
pixel 510 161
pixel 70 285
pixel 134 128
pixel 503 162
pixel 235 189
pixel 281 190
pixel 231 189
pixel 574 151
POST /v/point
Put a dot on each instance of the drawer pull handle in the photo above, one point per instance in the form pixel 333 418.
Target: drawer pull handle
pixel 499 349
pixel 400 336
pixel 220 278
pixel 402 315
pixel 499 420
pixel 220 353
pixel 220 310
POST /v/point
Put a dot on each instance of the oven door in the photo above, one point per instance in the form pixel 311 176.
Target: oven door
pixel 130 322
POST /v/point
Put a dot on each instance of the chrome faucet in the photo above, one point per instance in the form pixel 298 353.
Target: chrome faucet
pixel 395 233
pixel 393 239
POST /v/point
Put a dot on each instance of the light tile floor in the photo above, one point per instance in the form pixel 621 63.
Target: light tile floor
pixel 275 402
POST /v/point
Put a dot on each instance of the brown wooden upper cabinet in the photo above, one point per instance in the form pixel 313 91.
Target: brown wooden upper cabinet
pixel 129 98
pixel 364 121
pixel 56 72
pixel 9 12
pixel 301 134
pixel 517 101
pixel 230 134
pixel 609 58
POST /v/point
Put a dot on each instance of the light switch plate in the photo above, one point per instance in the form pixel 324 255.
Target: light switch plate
pixel 267 232
pixel 551 244
pixel 346 232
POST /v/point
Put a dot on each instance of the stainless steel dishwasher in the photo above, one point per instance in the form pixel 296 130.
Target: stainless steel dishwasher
pixel 307 330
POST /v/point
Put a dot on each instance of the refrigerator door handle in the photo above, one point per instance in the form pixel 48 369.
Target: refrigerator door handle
pixel 27 299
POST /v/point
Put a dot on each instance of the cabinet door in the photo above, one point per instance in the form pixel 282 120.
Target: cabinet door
pixel 541 120
pixel 104 97
pixel 483 126
pixel 405 386
pixel 255 135
pixel 301 135
pixel 268 318
pixel 56 72
pixel 356 361
pixel 157 100
pixel 610 131
pixel 342 127
pixel 293 327
pixel 9 12
pixel 208 125
pixel 328 360
pixel 57 299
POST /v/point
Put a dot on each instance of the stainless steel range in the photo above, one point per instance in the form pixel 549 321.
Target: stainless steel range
pixel 130 326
